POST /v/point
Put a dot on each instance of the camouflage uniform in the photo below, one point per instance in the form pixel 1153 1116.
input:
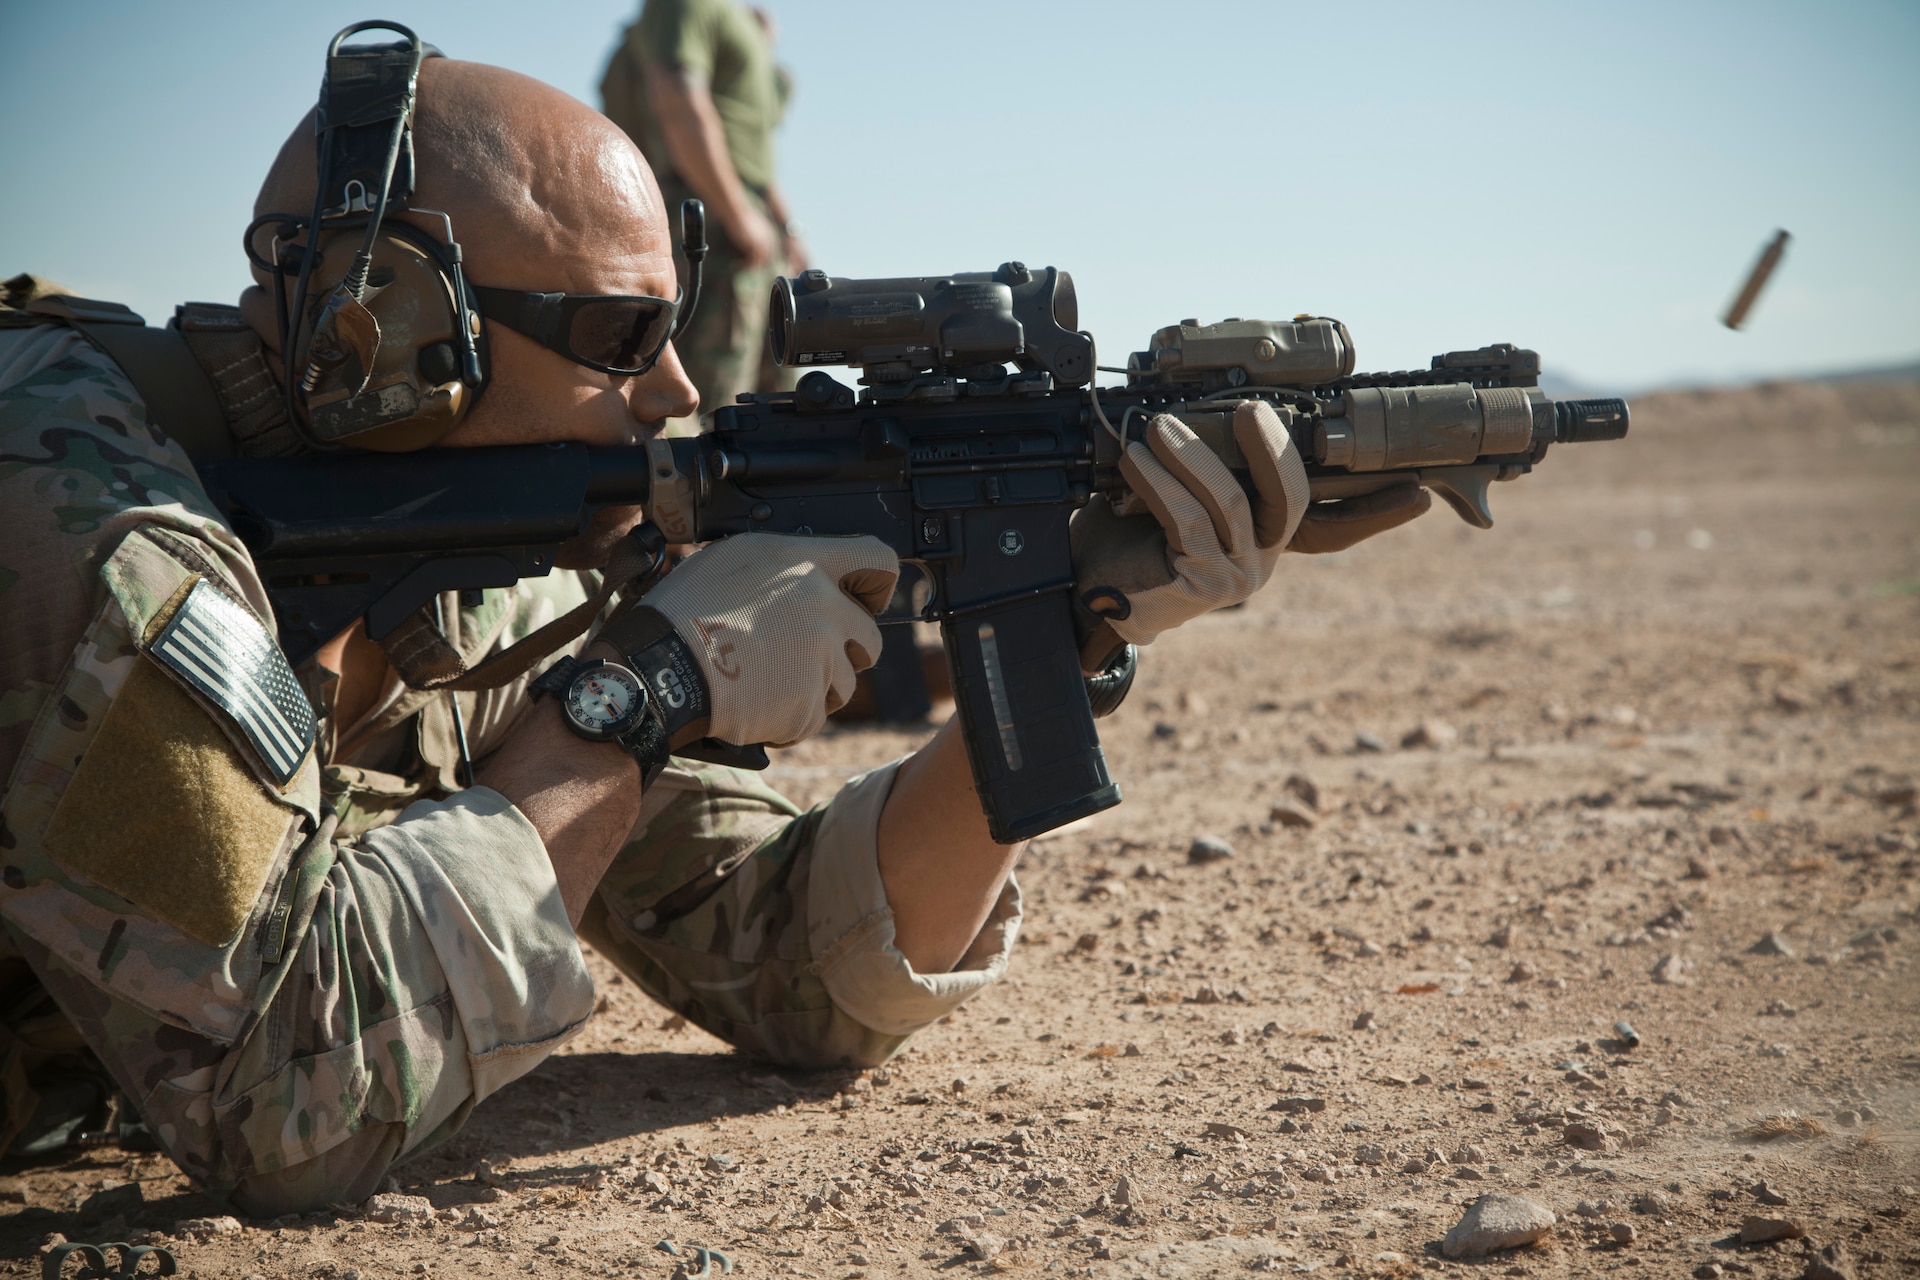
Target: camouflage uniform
pixel 405 952
pixel 724 347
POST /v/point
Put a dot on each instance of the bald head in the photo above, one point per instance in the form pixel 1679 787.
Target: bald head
pixel 546 195
pixel 536 182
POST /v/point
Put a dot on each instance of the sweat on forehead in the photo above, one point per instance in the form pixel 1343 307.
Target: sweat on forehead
pixel 528 174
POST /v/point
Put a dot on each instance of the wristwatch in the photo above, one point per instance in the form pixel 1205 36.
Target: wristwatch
pixel 641 704
pixel 604 701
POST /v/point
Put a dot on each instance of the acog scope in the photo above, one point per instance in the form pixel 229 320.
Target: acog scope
pixel 966 325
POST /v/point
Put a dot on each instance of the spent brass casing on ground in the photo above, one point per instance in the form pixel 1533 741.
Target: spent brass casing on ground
pixel 1388 428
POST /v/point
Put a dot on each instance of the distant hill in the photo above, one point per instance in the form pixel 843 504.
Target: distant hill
pixel 1562 388
pixel 1909 372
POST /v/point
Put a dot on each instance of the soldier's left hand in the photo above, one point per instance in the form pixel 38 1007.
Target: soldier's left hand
pixel 1205 545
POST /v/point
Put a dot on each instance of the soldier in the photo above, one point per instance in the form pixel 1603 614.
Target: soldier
pixel 262 899
pixel 694 84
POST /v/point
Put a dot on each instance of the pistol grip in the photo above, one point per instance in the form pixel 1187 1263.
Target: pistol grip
pixel 1030 734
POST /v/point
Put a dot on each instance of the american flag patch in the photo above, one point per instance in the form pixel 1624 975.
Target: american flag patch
pixel 222 651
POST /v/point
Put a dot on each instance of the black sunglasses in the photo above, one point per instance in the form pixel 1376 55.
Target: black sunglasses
pixel 613 333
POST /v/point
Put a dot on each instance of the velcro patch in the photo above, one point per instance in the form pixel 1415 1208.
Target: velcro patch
pixel 223 653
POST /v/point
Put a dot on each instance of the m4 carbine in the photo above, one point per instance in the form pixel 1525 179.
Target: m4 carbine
pixel 975 439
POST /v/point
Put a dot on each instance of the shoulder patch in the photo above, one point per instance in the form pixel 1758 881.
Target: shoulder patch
pixel 221 651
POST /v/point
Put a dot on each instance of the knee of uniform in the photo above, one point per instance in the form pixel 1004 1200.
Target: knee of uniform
pixel 347 1174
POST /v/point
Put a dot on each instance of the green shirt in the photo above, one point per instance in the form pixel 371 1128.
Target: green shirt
pixel 722 43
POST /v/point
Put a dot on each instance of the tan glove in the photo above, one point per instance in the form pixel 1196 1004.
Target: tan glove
pixel 780 624
pixel 1197 551
pixel 1205 546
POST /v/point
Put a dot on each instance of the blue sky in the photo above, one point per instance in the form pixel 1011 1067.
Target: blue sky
pixel 1591 180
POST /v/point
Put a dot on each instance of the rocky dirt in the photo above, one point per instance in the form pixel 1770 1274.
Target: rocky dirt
pixel 1643 753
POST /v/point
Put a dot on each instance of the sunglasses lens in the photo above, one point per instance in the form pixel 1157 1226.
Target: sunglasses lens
pixel 621 333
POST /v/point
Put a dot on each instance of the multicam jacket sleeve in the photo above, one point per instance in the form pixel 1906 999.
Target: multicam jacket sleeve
pixel 383 985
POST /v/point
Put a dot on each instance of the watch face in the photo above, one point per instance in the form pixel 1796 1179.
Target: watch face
pixel 604 699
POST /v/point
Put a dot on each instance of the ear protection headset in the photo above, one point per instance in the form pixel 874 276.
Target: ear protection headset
pixel 382 337
pixel 384 346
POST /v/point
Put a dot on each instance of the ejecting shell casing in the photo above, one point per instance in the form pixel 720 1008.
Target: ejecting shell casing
pixel 1756 280
pixel 1628 1036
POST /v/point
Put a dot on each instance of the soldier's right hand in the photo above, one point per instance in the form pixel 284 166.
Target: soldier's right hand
pixel 780 624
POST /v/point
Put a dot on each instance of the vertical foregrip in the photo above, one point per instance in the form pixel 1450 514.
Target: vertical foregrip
pixel 1023 706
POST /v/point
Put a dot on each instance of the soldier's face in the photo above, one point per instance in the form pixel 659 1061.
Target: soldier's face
pixel 587 245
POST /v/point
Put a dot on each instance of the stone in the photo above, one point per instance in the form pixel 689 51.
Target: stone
pixel 1623 1232
pixel 1363 1021
pixel 393 1208
pixel 1759 1230
pixel 1829 1263
pixel 1522 972
pixel 1205 849
pixel 1288 813
pixel 1708 1271
pixel 1467 1153
pixel 1501 937
pixel 1370 1153
pixel 1369 742
pixel 983 1245
pixel 1767 1195
pixel 1124 1192
pixel 479 1220
pixel 1699 868
pixel 201 1228
pixel 1590 1136
pixel 1771 945
pixel 1433 735
pixel 120 1201
pixel 1671 971
pixel 1303 789
pixel 1495 1222
pixel 1652 1202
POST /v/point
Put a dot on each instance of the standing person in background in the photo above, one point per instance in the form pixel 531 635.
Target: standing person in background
pixel 694 84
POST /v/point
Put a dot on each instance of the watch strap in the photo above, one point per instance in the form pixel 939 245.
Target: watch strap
pixel 555 678
pixel 647 743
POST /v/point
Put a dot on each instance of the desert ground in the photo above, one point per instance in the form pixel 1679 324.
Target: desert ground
pixel 1643 753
